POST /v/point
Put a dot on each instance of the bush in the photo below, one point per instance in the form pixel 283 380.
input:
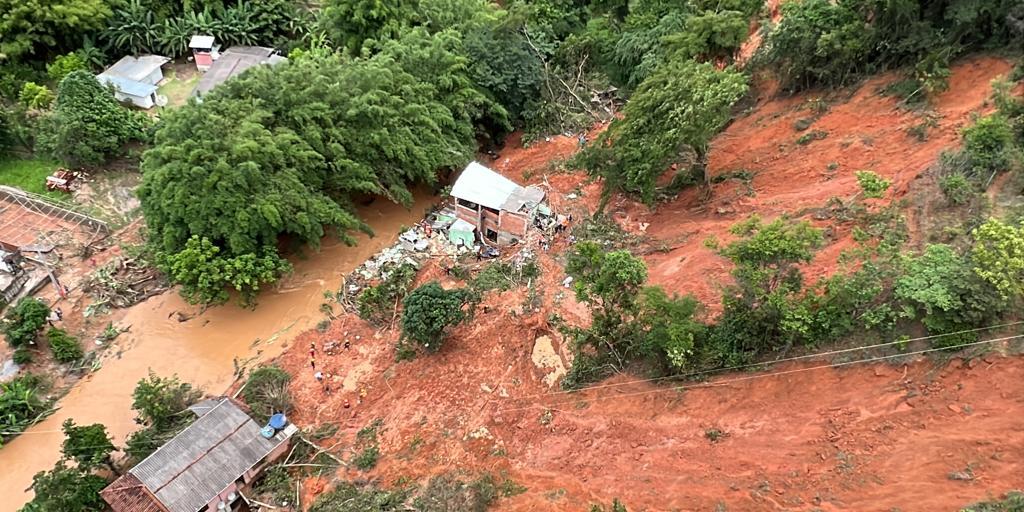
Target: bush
pixel 161 405
pixel 1013 501
pixel 65 347
pixel 376 303
pixel 35 97
pixel 266 391
pixel 429 311
pixel 64 65
pixel 21 404
pixel 988 143
pixel 346 497
pixel 366 459
pixel 444 493
pixel 22 355
pixel 956 187
pixel 24 320
pixel 277 485
pixel 872 185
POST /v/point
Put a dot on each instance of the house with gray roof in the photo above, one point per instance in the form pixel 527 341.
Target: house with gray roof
pixel 500 209
pixel 135 79
pixel 233 62
pixel 207 467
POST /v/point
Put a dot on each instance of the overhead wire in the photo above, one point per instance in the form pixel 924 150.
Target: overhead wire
pixel 725 382
pixel 815 355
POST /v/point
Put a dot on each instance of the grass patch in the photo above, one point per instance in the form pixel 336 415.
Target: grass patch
pixel 176 89
pixel 28 174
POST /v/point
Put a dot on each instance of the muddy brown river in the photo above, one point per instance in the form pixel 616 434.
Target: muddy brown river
pixel 201 351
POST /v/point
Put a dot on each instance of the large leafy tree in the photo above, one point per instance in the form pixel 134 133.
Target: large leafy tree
pixel 88 445
pixel 429 311
pixel 677 110
pixel 22 322
pixel 30 27
pixel 66 489
pixel 351 23
pixel 161 405
pixel 87 125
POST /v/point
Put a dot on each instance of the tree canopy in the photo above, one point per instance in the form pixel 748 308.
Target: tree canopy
pixel 88 445
pixel 29 27
pixel 429 311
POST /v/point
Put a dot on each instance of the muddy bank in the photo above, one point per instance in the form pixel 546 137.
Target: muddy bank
pixel 202 350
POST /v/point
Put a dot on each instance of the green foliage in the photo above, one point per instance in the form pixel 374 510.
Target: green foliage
pixel 66 489
pixel 942 288
pixel 161 405
pixel 266 391
pixel 22 355
pixel 21 404
pixel 956 187
pixel 22 323
pixel 88 445
pixel 346 497
pixel 377 303
pixel 205 276
pixel 1013 501
pixel 36 97
pixel 988 143
pixel 679 108
pixel 429 311
pixel 617 506
pixel 351 23
pixel 32 27
pixel 758 308
pixel 63 65
pixel 65 347
pixel 276 484
pixel 446 492
pixel 998 256
pixel 872 185
pixel 87 126
pixel 296 142
pixel 366 459
pixel 500 275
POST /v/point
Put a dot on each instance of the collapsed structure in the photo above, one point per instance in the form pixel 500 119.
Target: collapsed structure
pixel 206 467
pixel 497 208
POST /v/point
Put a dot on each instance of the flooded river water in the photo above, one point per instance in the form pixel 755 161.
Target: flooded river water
pixel 201 351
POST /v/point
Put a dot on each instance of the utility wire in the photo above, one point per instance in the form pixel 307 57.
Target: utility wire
pixel 760 376
pixel 763 363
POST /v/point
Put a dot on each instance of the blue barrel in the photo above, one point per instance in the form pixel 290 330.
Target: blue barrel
pixel 278 421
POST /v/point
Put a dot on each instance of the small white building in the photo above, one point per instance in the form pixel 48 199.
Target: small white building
pixel 135 79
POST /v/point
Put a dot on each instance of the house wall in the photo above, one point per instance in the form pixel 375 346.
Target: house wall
pixel 514 224
pixel 469 215
pixel 141 102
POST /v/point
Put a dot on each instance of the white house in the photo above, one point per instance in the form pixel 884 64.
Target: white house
pixel 135 79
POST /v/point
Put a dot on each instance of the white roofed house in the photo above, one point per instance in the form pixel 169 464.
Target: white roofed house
pixel 500 209
pixel 135 79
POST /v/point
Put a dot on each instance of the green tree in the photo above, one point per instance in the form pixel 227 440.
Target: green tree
pixel 429 311
pixel 941 287
pixel 88 445
pixel 63 65
pixel 30 27
pixel 758 308
pixel 998 256
pixel 21 404
pixel 22 323
pixel 351 23
pixel 205 277
pixel 988 143
pixel 678 109
pixel 35 97
pixel 88 125
pixel 64 346
pixel 66 489
pixel 161 405
pixel 266 391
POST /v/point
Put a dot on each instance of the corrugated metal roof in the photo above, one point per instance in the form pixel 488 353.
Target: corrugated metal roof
pixel 523 199
pixel 191 469
pixel 127 494
pixel 483 186
pixel 136 68
pixel 126 86
pixel 201 42
pixel 234 61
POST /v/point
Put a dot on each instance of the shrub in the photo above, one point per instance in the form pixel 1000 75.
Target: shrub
pixel 66 489
pixel 276 484
pixel 24 320
pixel 956 187
pixel 63 65
pixel 429 311
pixel 998 256
pixel 366 459
pixel 266 391
pixel 346 497
pixel 376 303
pixel 22 355
pixel 446 492
pixel 988 143
pixel 161 405
pixel 1013 501
pixel 65 347
pixel 21 404
pixel 36 97
pixel 872 185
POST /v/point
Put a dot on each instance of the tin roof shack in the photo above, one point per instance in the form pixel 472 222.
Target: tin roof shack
pixel 232 62
pixel 500 209
pixel 204 468
pixel 134 79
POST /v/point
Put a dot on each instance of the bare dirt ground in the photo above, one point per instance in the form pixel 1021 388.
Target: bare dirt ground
pixel 914 436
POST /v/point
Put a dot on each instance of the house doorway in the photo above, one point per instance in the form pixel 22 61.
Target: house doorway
pixel 491 235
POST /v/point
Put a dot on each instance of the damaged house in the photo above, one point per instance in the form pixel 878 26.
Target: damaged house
pixel 206 467
pixel 500 210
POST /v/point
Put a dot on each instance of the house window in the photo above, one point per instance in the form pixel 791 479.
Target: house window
pixel 492 235
pixel 468 204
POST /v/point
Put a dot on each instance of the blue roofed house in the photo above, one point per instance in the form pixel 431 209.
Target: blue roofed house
pixel 135 79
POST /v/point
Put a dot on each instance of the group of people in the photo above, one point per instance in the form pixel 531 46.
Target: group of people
pixel 324 378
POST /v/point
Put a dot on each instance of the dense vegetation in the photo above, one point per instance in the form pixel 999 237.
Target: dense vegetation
pixel 266 392
pixel 22 403
pixel 161 407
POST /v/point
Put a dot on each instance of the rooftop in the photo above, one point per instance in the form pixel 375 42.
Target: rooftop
pixel 136 68
pixel 234 61
pixel 201 42
pixel 483 186
pixel 187 472
pixel 127 86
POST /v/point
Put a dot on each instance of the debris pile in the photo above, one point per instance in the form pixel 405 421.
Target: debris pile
pixel 124 282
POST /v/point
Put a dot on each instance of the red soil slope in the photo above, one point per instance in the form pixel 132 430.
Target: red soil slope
pixel 862 438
